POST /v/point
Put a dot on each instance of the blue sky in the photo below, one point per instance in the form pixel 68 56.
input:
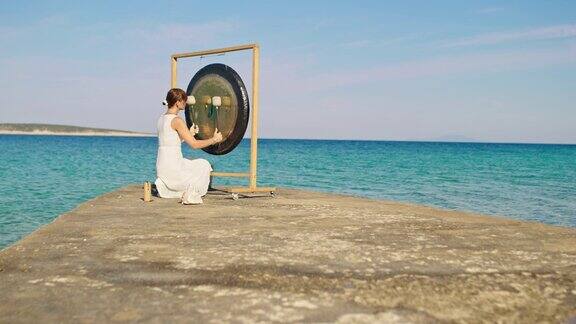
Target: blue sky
pixel 500 71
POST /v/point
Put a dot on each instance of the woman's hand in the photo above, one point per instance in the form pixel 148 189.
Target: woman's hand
pixel 217 138
pixel 194 129
pixel 185 134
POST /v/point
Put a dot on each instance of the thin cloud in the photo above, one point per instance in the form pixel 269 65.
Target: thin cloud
pixel 14 31
pixel 444 66
pixel 534 34
pixel 174 32
pixel 381 42
pixel 489 10
pixel 54 20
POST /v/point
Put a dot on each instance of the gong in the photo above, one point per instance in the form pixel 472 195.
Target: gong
pixel 221 101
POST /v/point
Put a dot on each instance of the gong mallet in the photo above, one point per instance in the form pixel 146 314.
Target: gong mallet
pixel 216 102
pixel 190 101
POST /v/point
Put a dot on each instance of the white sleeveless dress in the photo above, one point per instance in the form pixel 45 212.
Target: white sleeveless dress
pixel 178 177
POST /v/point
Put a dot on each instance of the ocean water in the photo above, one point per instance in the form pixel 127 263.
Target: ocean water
pixel 44 176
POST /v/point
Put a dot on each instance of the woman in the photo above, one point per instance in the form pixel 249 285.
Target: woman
pixel 179 177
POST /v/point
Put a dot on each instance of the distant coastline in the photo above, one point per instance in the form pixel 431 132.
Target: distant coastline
pixel 64 130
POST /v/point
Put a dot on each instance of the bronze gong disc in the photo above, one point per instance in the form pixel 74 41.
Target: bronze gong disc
pixel 231 117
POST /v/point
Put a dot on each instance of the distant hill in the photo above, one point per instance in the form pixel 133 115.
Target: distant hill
pixel 48 129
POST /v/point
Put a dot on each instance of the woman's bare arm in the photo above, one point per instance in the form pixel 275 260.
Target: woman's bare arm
pixel 180 126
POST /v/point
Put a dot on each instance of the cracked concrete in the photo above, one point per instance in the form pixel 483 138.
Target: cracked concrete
pixel 300 257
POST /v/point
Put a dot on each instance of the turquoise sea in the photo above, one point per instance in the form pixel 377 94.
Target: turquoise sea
pixel 44 176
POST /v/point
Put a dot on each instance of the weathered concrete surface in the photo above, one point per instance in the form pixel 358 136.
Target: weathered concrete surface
pixel 301 256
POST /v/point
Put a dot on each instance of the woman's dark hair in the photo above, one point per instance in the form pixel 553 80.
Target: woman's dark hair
pixel 175 94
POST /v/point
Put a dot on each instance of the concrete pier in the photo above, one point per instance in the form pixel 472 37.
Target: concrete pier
pixel 299 257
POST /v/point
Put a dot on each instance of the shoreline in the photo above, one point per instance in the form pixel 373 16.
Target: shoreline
pixel 301 256
pixel 50 133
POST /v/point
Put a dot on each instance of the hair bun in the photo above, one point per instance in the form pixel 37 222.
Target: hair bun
pixel 165 103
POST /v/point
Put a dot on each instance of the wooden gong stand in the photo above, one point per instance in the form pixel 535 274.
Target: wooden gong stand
pixel 252 188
